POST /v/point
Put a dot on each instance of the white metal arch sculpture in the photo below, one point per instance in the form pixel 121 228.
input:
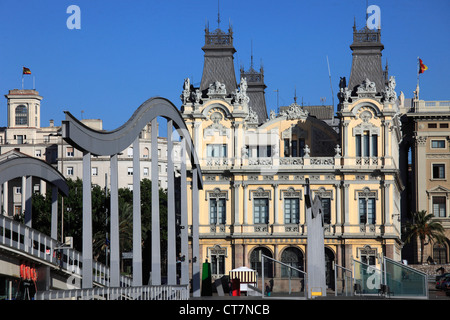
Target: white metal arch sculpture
pixel 17 167
pixel 111 143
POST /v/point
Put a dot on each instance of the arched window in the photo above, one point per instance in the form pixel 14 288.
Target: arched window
pixel 21 115
pixel 256 262
pixel 146 153
pixel 294 258
pixel 440 253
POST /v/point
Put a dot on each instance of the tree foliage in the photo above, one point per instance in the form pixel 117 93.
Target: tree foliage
pixel 72 209
pixel 423 227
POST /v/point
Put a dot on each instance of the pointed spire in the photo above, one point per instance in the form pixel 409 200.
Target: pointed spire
pixel 251 57
pixel 218 14
pixel 295 95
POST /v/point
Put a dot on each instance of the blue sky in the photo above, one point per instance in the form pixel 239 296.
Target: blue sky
pixel 129 51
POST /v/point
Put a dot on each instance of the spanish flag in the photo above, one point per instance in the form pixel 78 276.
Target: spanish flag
pixel 422 67
pixel 26 71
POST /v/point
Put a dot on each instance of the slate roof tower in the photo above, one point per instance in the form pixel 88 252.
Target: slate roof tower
pixel 219 61
pixel 255 91
pixel 366 62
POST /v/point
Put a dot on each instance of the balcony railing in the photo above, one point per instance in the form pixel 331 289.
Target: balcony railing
pixel 174 292
pixel 21 238
pixel 286 162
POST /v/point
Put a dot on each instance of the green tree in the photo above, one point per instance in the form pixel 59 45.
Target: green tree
pixel 41 212
pixel 424 227
pixel 73 217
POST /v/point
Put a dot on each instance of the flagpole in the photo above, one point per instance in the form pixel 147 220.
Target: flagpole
pixel 418 70
pixel 22 77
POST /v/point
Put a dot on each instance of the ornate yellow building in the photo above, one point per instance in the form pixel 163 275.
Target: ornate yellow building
pixel 255 166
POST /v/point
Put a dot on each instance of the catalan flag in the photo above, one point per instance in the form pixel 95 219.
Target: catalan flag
pixel 26 71
pixel 422 67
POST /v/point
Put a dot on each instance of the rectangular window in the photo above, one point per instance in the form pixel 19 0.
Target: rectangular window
pixel 301 147
pixel 286 148
pixel 367 210
pixel 374 145
pixel 265 151
pixel 261 210
pixel 70 171
pixel 130 171
pixel 94 171
pixel 218 264
pixel 368 259
pixel 366 144
pixel 38 153
pixel 17 210
pixel 291 210
pixel 432 125
pixel 326 209
pixel 439 207
pixel 438 171
pixel 216 150
pixel 19 139
pixel 69 152
pixel 294 148
pixel 371 210
pixel 145 171
pixel 438 144
pixel 443 125
pixel 358 145
pixel 362 211
pixel 217 211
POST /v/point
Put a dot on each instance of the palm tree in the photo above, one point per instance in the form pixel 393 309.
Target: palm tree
pixel 424 227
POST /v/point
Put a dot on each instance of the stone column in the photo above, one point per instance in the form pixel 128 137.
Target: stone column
pixel 346 204
pixel 338 203
pixel 275 203
pixel 236 221
pixel 245 200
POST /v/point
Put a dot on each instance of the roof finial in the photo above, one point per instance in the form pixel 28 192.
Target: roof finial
pixel 218 14
pixel 295 95
pixel 251 57
pixel 367 14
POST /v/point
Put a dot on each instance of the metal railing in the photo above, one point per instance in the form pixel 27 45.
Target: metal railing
pixel 22 239
pixel 343 281
pixel 174 292
pixel 289 278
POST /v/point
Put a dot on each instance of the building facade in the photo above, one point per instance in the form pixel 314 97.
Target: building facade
pixel 427 128
pixel 256 166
